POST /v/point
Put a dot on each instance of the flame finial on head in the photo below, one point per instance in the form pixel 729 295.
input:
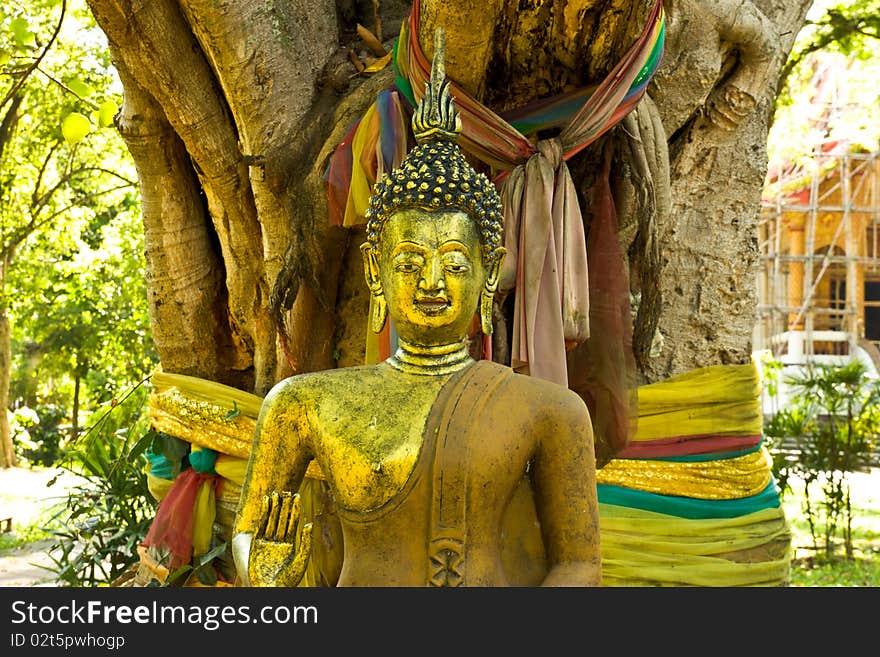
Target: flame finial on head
pixel 436 118
pixel 435 175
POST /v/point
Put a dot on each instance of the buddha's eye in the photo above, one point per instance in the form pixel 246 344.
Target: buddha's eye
pixel 456 268
pixel 406 268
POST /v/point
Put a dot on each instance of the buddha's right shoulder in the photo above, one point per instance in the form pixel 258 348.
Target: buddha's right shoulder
pixel 313 386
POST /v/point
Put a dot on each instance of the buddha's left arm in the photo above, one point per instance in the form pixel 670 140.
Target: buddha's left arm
pixel 565 483
pixel 278 461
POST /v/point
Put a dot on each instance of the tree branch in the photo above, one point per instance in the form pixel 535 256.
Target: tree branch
pixel 18 236
pixel 30 69
pixel 835 27
pixel 94 106
pixel 8 123
pixel 35 199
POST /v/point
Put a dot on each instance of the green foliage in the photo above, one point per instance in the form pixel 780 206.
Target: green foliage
pixel 74 127
pixel 73 283
pixel 203 568
pixel 39 434
pixel 771 370
pixel 88 317
pixel 107 516
pixel 849 27
pixel 834 419
pixel 811 569
pixel 827 90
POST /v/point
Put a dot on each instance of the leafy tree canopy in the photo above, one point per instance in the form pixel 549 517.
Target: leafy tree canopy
pixel 829 96
pixel 72 280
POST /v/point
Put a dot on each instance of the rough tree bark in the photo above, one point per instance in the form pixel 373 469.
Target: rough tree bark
pixel 232 109
pixel 714 96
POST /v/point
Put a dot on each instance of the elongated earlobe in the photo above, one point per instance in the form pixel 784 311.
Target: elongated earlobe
pixel 486 311
pixel 378 312
pixel 378 305
pixel 488 292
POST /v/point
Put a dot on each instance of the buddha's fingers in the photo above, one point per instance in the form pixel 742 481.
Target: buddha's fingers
pixel 293 519
pixel 265 504
pixel 284 515
pixel 295 514
pixel 302 554
pixel 272 521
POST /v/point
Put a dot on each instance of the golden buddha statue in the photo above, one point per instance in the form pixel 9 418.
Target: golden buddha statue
pixel 443 470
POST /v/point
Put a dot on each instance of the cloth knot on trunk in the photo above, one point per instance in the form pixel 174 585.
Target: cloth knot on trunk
pixel 552 150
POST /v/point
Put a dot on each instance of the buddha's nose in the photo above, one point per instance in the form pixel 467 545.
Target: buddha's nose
pixel 432 277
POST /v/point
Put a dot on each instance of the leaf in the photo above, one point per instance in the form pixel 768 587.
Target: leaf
pixel 234 413
pixel 379 64
pixel 79 87
pixel 74 127
pixel 358 64
pixel 106 113
pixel 218 551
pixel 206 575
pixel 4 58
pixel 177 574
pixel 172 448
pixel 141 445
pixel 22 35
pixel 371 41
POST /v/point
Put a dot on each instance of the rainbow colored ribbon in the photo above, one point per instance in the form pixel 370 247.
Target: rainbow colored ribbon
pixel 502 141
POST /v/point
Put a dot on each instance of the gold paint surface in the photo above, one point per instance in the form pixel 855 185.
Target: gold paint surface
pixel 722 479
pixel 201 423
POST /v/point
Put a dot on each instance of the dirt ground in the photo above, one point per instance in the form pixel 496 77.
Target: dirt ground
pixel 24 496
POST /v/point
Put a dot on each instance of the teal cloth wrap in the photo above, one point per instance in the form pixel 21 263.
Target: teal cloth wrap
pixel 688 507
pixel 202 461
pixel 160 466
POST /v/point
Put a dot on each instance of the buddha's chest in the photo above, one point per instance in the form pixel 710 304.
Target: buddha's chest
pixel 369 446
pixel 376 451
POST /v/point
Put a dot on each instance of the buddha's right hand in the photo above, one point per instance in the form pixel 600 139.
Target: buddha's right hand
pixel 274 559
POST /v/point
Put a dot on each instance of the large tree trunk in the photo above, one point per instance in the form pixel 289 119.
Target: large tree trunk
pixel 232 110
pixel 719 53
pixel 8 458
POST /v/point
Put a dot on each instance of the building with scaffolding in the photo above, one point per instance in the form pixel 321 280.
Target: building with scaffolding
pixel 819 227
pixel 819 274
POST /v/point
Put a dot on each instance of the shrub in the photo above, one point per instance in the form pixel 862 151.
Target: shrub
pixel 107 516
pixel 834 418
pixel 39 433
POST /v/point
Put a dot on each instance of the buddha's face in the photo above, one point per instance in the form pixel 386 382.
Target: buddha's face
pixel 431 269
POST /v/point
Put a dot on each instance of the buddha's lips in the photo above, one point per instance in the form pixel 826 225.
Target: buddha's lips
pixel 432 306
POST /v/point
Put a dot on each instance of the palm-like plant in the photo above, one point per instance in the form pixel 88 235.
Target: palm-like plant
pixel 834 417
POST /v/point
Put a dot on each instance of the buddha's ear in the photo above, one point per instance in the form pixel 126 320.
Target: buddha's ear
pixel 378 305
pixel 494 273
pixel 371 268
pixel 489 289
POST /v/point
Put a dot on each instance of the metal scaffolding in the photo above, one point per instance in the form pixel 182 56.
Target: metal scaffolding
pixel 819 273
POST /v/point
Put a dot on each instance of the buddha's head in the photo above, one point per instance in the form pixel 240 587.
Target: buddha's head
pixel 433 253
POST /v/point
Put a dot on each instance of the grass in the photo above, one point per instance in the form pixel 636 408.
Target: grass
pixel 21 536
pixel 810 567
pixel 36 529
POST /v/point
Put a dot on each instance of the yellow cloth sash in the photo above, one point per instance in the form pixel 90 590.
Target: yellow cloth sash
pixel 714 400
pixel 204 413
pixel 644 548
